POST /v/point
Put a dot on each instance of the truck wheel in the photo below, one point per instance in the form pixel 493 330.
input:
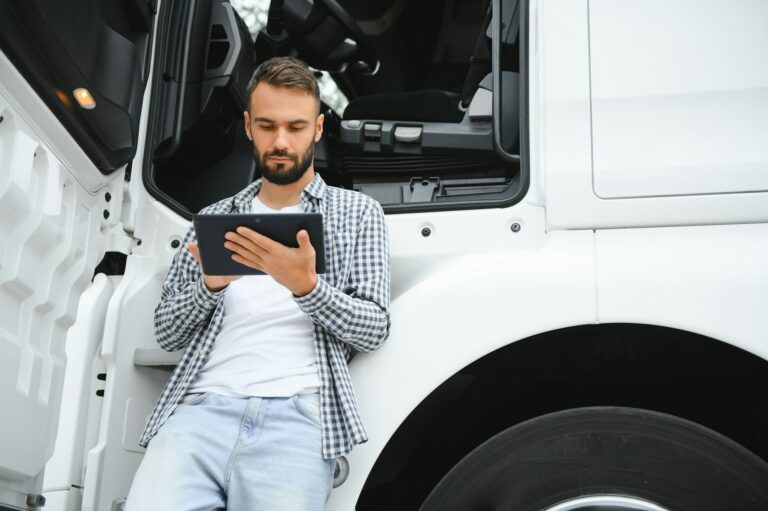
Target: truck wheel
pixel 605 459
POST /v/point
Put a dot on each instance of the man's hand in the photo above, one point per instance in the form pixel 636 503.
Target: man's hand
pixel 213 282
pixel 294 268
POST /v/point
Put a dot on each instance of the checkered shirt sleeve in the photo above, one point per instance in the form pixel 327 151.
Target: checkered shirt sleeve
pixel 358 315
pixel 186 303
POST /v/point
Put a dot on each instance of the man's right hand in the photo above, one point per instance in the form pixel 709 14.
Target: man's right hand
pixel 212 282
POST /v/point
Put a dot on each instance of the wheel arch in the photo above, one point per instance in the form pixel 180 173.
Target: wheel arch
pixel 709 381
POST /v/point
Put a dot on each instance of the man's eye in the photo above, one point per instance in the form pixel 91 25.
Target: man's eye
pixel 297 128
pixel 266 127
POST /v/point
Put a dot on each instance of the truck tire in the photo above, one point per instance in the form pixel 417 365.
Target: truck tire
pixel 605 459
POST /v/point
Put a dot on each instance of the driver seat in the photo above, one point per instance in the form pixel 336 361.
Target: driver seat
pixel 429 105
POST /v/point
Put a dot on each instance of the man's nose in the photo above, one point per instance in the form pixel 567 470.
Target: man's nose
pixel 281 139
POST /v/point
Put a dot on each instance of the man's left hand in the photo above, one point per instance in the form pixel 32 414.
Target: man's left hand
pixel 294 268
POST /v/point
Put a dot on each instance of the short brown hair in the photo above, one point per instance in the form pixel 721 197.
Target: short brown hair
pixel 284 72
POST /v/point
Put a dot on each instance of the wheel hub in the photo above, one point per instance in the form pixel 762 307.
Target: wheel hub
pixel 606 503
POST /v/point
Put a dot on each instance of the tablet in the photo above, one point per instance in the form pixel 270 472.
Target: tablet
pixel 281 227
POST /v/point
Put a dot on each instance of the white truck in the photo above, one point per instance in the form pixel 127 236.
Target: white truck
pixel 577 200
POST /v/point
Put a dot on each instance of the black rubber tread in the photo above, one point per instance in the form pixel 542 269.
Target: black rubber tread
pixel 669 461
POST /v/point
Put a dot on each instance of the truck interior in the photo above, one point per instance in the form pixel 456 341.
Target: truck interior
pixel 417 134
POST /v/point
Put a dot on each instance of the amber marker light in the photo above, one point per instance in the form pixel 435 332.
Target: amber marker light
pixel 63 98
pixel 84 98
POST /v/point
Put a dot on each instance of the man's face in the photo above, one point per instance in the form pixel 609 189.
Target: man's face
pixel 283 125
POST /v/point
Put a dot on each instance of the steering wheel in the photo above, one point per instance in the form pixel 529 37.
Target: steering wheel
pixel 362 57
pixel 328 38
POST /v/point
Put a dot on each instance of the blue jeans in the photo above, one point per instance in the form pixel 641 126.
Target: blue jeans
pixel 217 452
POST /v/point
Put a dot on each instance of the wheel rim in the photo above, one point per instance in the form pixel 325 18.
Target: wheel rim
pixel 606 503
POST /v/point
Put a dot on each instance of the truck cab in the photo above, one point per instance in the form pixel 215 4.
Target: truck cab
pixel 576 193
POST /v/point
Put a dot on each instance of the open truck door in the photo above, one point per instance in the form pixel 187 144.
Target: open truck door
pixel 72 77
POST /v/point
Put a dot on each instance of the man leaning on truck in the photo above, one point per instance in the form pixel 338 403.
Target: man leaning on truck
pixel 261 403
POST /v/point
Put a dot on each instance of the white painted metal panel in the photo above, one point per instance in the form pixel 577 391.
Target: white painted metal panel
pixel 679 96
pixel 65 468
pixel 130 390
pixel 53 235
pixel 561 128
pixel 711 280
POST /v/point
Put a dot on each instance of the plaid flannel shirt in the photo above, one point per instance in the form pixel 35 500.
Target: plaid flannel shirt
pixel 349 307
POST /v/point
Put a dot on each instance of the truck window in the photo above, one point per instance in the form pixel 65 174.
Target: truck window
pixel 416 133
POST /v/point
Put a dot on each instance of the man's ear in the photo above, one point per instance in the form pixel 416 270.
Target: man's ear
pixel 319 127
pixel 247 125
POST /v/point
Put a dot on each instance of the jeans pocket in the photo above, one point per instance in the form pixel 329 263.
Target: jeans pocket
pixel 309 406
pixel 196 400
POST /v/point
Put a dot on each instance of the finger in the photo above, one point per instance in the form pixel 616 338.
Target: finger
pixel 247 262
pixel 303 238
pixel 245 242
pixel 246 249
pixel 192 247
pixel 258 239
pixel 245 252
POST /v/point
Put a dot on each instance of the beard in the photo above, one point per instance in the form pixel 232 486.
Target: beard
pixel 282 173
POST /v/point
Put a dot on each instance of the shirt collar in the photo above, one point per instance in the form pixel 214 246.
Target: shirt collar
pixel 315 189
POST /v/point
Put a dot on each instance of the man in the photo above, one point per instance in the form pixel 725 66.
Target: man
pixel 261 404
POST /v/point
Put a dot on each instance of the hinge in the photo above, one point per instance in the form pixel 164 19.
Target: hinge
pixel 118 240
pixel 423 189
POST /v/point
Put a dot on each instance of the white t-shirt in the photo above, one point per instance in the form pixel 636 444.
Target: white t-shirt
pixel 266 344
